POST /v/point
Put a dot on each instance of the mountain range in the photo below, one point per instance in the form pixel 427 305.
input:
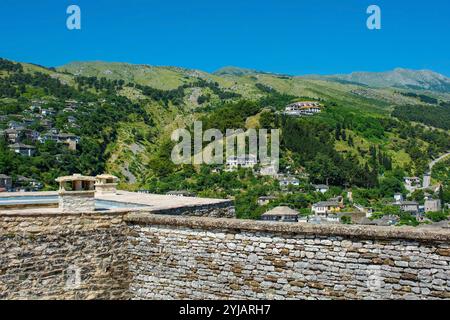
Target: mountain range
pixel 398 78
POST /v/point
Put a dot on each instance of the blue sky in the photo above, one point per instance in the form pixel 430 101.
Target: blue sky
pixel 285 36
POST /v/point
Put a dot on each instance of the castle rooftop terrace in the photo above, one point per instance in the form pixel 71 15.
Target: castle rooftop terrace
pixel 45 203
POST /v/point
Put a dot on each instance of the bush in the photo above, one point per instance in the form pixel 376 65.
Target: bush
pixel 437 216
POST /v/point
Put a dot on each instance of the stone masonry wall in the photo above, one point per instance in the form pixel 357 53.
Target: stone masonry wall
pixel 63 256
pixel 72 255
pixel 202 258
pixel 216 210
pixel 77 201
pixel 158 256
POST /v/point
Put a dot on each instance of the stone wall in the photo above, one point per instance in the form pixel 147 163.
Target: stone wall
pixel 158 256
pixel 202 258
pixel 215 210
pixel 63 256
pixel 56 255
pixel 77 201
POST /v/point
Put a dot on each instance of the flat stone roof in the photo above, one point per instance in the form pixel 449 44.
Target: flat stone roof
pixel 31 194
pixel 159 201
pixel 154 202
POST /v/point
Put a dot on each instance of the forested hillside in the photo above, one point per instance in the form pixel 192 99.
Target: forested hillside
pixel 121 117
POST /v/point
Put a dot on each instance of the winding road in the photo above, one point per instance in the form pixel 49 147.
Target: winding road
pixel 427 176
pixel 432 163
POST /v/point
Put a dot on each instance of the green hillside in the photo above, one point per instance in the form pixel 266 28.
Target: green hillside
pixel 365 137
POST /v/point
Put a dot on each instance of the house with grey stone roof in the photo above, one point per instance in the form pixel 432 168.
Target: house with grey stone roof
pixel 23 149
pixel 5 182
pixel 282 214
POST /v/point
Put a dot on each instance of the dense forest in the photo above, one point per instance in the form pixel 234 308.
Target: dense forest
pixel 436 116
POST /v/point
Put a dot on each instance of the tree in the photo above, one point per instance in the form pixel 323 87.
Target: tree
pixel 441 195
pixel 322 169
pixel 350 141
pixel 437 216
pixel 391 185
pixel 338 131
pixel 267 120
pixel 346 220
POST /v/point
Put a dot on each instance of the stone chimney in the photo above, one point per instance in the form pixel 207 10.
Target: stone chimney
pixel 106 184
pixel 76 193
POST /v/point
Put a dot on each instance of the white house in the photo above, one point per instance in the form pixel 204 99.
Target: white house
pixel 247 161
pixel 433 205
pixel 262 201
pixel 286 181
pixel 398 197
pixel 408 206
pixel 269 170
pixel 282 214
pixel 48 112
pixel 325 208
pixel 412 180
pixel 321 188
pixel 303 108
pixel 23 149
pixel 181 193
pixel 412 183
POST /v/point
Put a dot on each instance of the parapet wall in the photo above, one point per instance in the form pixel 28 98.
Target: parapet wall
pixel 202 258
pixel 223 209
pixel 63 256
pixel 47 254
pixel 159 256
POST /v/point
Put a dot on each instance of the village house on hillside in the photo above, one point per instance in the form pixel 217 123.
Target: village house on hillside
pixel 433 205
pixel 47 123
pixel 286 181
pixel 180 193
pixel 27 184
pixel 16 125
pixel 398 197
pixel 247 161
pixel 5 182
pixel 73 104
pixel 324 208
pixel 303 108
pixel 23 149
pixel 15 135
pixel 70 140
pixel 268 171
pixel 408 206
pixel 322 188
pixel 48 112
pixel 281 214
pixel 412 183
pixel 264 200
